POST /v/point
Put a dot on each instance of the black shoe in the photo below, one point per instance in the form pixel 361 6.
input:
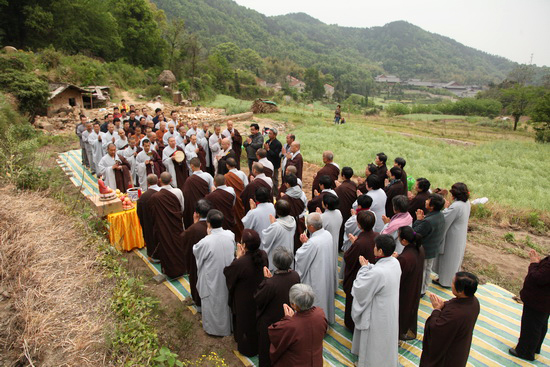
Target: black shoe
pixel 513 352
pixel 436 282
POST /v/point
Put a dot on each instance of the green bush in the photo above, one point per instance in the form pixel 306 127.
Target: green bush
pixel 30 90
pixel 480 211
pixel 397 109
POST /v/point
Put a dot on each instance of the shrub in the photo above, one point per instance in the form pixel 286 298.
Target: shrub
pixel 31 91
pixel 509 237
pixel 480 211
pixel 397 109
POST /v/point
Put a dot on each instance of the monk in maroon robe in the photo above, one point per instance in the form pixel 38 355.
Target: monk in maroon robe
pixel 419 200
pixel 242 277
pixel 156 167
pixel 347 194
pixel 330 169
pixel 234 181
pixel 381 168
pixel 223 199
pixel 325 183
pixel 180 168
pixel 449 330
pixel 294 158
pixel 146 217
pixel 393 189
pixel 167 209
pixel 270 297
pixel 297 340
pixel 298 201
pixel 362 245
pixel 260 180
pixel 122 176
pixel 411 260
pixel 236 142
pixel 362 182
pixel 192 235
pixel 194 189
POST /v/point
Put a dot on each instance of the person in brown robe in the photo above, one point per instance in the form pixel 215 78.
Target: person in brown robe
pixel 381 169
pixel 298 203
pixel 192 235
pixel 362 182
pixel 260 180
pixel 297 340
pixel 167 209
pixel 146 217
pixel 449 329
pixel 362 245
pixel 535 295
pixel 294 158
pixel 234 181
pixel 157 167
pixel 270 297
pixel 330 169
pixel 410 288
pixel 261 157
pixel 347 194
pixel 223 199
pixel 418 201
pixel 393 189
pixel 243 276
pixel 288 171
pixel 225 154
pixel 236 141
pixel 194 189
pixel 401 162
pixel 123 177
pixel 325 183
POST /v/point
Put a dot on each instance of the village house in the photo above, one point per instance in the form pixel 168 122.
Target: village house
pixel 295 83
pixel 63 95
pixel 261 82
pixel 389 79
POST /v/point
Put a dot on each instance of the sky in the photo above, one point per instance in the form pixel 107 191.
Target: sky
pixel 514 29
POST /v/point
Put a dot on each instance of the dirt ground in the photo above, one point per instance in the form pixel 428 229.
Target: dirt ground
pixel 178 328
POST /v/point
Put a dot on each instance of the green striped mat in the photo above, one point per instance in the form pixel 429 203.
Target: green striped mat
pixel 497 328
pixel 80 176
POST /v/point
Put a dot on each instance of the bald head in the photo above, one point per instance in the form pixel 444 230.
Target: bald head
pixel 328 156
pixel 165 178
pixel 257 168
pixel 226 143
pixel 261 153
pixel 219 180
pixel 291 169
pixel 152 180
pixel 295 146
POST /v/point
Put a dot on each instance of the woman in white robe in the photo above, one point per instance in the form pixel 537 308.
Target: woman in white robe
pixel 375 309
pixel 451 252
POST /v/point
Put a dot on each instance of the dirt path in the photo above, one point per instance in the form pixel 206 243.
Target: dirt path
pixel 54 298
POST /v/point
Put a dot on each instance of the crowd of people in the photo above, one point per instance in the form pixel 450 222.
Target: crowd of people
pixel 262 255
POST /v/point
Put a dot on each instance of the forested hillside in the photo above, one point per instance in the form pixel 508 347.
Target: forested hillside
pixel 346 53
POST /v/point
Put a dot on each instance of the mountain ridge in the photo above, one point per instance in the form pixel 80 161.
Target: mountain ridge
pixel 398 47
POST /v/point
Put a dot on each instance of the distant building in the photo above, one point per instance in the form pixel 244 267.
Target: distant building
pixel 97 96
pixel 276 86
pixel 295 83
pixel 63 95
pixel 329 91
pixel 389 79
pixel 261 82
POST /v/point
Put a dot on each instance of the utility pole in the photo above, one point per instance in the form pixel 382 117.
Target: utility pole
pixel 531 61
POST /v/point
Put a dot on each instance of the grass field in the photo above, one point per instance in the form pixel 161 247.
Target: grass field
pixel 430 117
pixel 507 167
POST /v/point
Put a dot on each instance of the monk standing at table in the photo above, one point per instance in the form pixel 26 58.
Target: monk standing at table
pixel 146 217
pixel 167 207
pixel 330 169
pixel 178 170
pixel 196 187
pixel 238 181
pixel 191 236
pixel 115 170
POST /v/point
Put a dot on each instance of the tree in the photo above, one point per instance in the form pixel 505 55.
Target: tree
pixel 541 113
pixel 314 84
pixel 522 74
pixel 193 48
pixel 139 31
pixel 174 34
pixel 516 100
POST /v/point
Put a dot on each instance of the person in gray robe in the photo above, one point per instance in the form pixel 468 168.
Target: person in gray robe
pixel 280 232
pixel 316 265
pixel 111 136
pixel 332 222
pixel 258 217
pixel 87 146
pixel 451 252
pixel 95 141
pixel 375 309
pixel 213 253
